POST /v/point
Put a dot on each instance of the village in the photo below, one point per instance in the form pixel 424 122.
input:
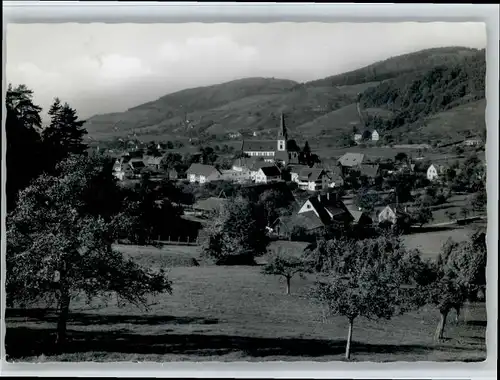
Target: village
pixel 354 189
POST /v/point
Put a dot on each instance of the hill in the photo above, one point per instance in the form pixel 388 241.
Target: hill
pixel 417 94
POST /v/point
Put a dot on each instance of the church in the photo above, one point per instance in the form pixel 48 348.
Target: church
pixel 272 151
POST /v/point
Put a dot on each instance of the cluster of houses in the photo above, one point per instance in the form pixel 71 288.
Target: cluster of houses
pixel 366 136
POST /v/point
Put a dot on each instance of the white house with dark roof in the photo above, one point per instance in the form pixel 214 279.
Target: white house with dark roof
pixel 268 174
pixel 434 171
pixel 312 179
pixel 328 208
pixel 200 173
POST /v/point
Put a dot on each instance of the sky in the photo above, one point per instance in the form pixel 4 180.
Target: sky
pixel 100 68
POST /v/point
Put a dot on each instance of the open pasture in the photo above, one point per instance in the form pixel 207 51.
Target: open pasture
pixel 234 314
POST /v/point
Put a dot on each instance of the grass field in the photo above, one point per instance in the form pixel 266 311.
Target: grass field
pixel 234 314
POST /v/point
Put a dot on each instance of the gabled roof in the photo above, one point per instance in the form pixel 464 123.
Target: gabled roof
pixel 311 174
pixel 281 155
pixel 369 170
pixel 258 145
pixel 271 171
pixel 258 164
pixel 325 205
pixel 351 159
pixel 153 160
pixel 335 173
pixel 136 163
pixel 307 220
pixel 296 168
pixel 201 169
pixel 210 204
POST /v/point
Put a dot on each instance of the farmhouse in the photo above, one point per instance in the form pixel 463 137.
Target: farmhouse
pixel 236 175
pixel 335 177
pixel 312 179
pixel 434 171
pixel 153 162
pixel 472 142
pixel 360 218
pixel 272 151
pixel 391 213
pixel 369 170
pixel 290 225
pixel 351 160
pixel 201 173
pixel 208 207
pixel 268 174
pixel 328 208
pixel 370 135
pixel 294 171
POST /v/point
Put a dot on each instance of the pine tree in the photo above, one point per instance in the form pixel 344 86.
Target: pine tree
pixel 64 136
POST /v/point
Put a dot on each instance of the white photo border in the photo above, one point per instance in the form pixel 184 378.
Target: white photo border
pixel 180 12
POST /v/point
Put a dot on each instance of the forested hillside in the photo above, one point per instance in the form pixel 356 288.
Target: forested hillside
pixel 412 98
pixel 399 96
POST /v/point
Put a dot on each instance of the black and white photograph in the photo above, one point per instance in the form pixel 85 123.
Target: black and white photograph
pixel 245 192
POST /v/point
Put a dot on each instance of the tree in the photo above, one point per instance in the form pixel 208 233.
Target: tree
pixel 458 275
pixel 64 135
pixel 401 157
pixel 287 266
pixel 421 214
pixel 366 278
pixel 366 199
pixel 22 129
pixel 479 200
pixel 59 249
pixel 274 205
pixel 237 234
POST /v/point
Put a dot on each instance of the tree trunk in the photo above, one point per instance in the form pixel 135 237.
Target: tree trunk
pixel 63 319
pixel 288 285
pixel 349 339
pixel 442 323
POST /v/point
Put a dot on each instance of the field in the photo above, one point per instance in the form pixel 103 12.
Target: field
pixel 235 314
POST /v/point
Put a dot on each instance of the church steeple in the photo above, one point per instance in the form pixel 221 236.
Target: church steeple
pixel 282 134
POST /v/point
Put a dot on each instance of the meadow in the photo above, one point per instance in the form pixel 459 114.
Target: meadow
pixel 220 313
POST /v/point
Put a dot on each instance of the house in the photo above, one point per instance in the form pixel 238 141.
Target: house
pixel 239 176
pixel 137 165
pixel 200 173
pixel 294 171
pixel 370 135
pixel 268 174
pixel 391 213
pixel 335 177
pixel 287 226
pixel 434 171
pixel 172 174
pixel 256 166
pixel 360 218
pixel 208 207
pixel 313 179
pixel 473 142
pixel 328 208
pixel 153 162
pixel 351 160
pixel 369 170
pixel 272 151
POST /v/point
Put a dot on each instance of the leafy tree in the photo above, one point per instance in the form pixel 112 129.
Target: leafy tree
pixel 23 145
pixel 401 157
pixel 274 205
pixel 171 161
pixel 421 215
pixel 366 199
pixel 58 249
pixel 237 233
pixel 458 275
pixel 208 155
pixel 287 266
pixel 64 135
pixel 479 200
pixel 366 278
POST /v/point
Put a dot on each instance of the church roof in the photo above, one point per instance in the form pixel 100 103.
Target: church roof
pixel 259 146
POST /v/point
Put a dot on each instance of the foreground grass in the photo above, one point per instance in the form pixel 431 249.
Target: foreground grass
pixel 236 313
